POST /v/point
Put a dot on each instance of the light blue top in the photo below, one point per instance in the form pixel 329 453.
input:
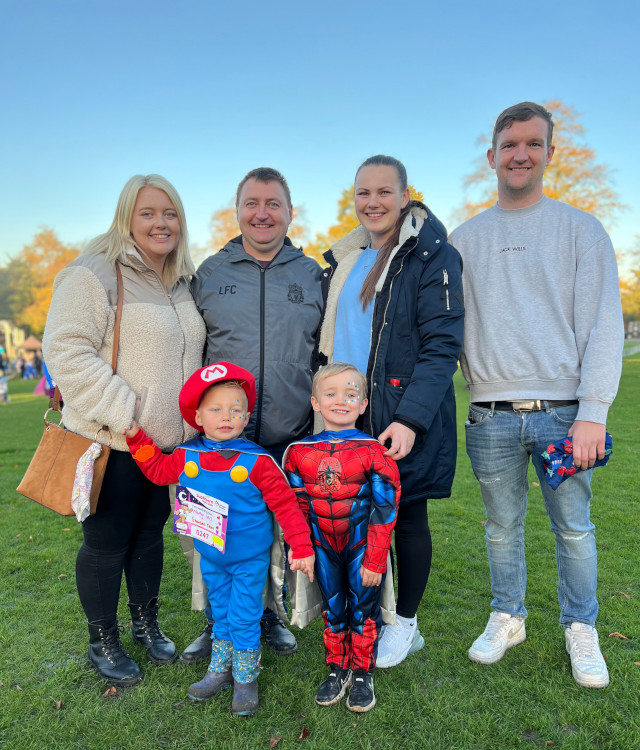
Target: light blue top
pixel 353 326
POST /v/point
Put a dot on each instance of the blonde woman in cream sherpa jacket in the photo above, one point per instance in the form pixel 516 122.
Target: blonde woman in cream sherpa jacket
pixel 161 342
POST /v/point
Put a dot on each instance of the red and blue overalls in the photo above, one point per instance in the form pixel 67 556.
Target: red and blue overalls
pixel 245 476
pixel 235 578
pixel 349 492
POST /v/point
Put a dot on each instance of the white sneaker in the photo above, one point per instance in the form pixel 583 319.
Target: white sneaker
pixel 502 632
pixel 398 641
pixel 587 663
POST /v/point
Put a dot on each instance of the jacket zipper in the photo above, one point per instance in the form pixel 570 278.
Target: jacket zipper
pixel 256 434
pixel 375 358
pixel 445 284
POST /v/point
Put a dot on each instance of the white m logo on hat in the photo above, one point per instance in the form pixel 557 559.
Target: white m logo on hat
pixel 213 372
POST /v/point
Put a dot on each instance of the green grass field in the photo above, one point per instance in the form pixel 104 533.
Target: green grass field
pixel 49 698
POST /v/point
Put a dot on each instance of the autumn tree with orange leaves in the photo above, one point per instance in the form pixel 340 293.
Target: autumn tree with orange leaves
pixel 573 176
pixel 630 286
pixel 26 282
pixel 346 220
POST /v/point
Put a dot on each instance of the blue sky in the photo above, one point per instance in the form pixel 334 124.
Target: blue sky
pixel 201 92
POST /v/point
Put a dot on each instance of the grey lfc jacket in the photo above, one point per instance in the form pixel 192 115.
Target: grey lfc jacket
pixel 265 320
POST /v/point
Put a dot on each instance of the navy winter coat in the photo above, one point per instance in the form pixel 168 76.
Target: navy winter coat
pixel 416 338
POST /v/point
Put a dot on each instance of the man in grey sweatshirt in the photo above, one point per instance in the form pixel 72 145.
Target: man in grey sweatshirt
pixel 542 358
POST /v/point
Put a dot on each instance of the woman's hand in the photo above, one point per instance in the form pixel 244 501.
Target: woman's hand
pixel 369 578
pixel 402 440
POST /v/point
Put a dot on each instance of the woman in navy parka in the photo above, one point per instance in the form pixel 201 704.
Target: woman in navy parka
pixel 395 310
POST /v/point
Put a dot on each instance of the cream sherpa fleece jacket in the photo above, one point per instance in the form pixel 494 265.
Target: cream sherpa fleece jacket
pixel 161 343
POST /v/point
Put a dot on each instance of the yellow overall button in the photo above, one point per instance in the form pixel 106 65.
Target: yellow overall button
pixel 191 469
pixel 239 473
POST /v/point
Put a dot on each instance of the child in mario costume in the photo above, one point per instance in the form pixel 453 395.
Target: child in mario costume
pixel 217 400
pixel 349 490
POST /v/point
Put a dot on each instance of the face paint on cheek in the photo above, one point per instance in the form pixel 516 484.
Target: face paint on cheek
pixel 239 416
pixel 352 399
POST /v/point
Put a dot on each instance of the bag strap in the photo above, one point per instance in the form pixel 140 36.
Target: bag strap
pixel 54 401
pixel 116 325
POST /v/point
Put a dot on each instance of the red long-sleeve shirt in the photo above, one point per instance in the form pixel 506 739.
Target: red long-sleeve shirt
pixel 162 468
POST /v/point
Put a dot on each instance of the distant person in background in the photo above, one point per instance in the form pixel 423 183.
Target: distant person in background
pixel 29 371
pixel 4 388
pixel 160 345
pixel 261 300
pixel 395 310
pixel 542 356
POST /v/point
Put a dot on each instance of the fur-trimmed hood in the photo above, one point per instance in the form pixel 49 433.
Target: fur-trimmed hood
pixel 343 256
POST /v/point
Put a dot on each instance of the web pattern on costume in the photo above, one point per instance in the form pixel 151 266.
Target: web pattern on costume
pixel 348 497
pixel 346 492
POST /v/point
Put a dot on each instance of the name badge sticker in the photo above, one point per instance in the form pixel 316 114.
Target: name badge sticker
pixel 200 516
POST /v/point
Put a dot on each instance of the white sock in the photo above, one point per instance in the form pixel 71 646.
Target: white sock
pixel 407 622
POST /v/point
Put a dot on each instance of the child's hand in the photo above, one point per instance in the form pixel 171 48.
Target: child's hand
pixel 132 431
pixel 369 578
pixel 305 564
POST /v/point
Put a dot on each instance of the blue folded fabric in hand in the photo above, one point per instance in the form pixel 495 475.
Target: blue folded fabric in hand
pixel 558 460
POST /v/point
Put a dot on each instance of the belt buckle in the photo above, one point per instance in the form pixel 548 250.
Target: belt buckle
pixel 526 406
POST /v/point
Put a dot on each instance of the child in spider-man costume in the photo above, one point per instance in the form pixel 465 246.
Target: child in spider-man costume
pixel 349 492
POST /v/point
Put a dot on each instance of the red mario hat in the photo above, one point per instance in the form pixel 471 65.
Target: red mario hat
pixel 217 372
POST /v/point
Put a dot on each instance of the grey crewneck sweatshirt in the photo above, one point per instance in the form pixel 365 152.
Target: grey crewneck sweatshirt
pixel 543 313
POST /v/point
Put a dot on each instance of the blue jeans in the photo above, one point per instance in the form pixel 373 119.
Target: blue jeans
pixel 499 444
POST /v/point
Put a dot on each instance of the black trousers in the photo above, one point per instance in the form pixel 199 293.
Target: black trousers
pixel 413 550
pixel 124 535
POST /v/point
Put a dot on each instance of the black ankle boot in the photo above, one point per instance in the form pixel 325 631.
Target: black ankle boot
pixel 199 649
pixel 146 631
pixel 107 656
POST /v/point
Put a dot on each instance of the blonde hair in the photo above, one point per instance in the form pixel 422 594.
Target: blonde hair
pixel 117 241
pixel 335 368
pixel 228 384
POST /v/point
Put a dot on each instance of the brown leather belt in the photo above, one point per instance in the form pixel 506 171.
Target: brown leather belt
pixel 518 406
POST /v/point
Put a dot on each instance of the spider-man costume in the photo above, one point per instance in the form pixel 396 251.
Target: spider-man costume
pixel 349 492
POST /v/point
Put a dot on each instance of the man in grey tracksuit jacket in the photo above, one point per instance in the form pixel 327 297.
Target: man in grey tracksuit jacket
pixel 265 320
pixel 261 300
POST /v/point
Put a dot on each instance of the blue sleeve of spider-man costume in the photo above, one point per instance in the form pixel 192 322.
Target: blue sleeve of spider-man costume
pixel 352 496
pixel 385 486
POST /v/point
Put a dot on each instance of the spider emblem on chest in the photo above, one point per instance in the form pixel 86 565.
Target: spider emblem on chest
pixel 329 476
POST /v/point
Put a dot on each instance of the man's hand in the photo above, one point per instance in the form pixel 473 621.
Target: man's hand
pixel 588 443
pixel 369 578
pixel 402 439
pixel 305 564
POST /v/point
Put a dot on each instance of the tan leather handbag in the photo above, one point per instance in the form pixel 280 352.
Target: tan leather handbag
pixel 51 473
